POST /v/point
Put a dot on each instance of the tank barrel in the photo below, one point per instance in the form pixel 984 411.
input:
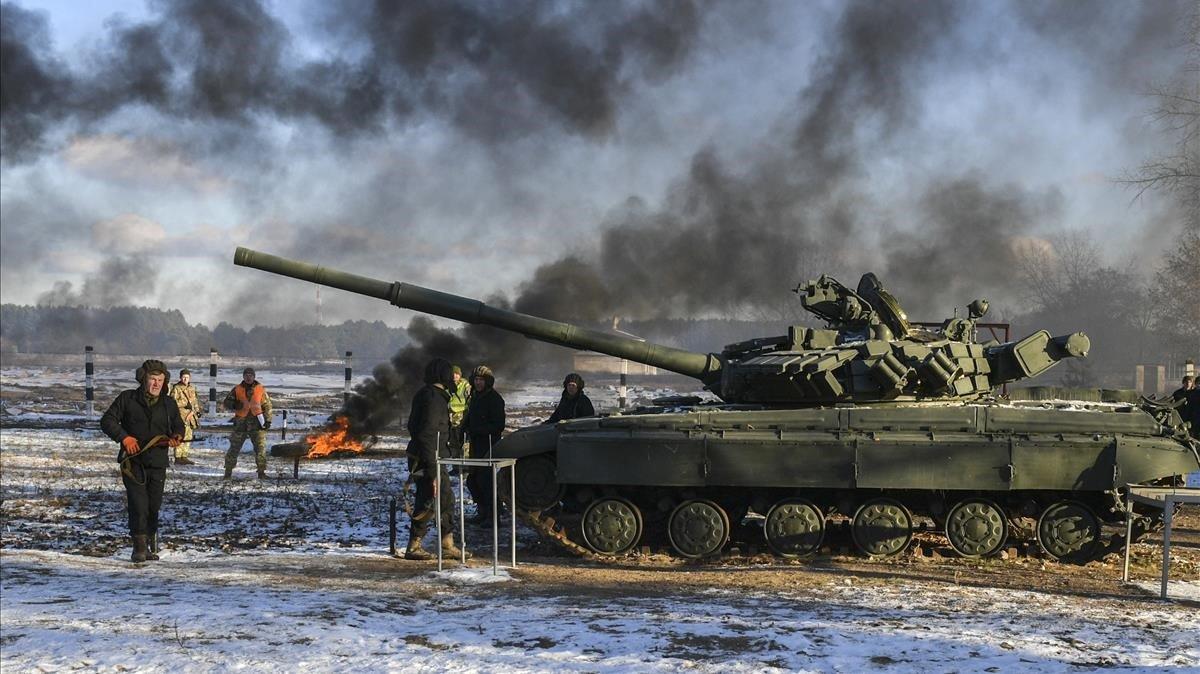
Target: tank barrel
pixel 705 367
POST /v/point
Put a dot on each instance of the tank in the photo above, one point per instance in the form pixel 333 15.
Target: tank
pixel 871 426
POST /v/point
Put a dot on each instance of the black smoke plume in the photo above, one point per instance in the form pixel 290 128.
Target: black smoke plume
pixel 120 281
pixel 496 71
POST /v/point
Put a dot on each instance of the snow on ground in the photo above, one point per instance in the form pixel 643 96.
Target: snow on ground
pixel 287 575
pixel 268 612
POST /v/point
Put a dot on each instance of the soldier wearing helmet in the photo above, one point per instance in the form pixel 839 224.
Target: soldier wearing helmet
pixel 574 403
pixel 484 423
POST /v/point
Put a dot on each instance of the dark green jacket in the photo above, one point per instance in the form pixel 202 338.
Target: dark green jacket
pixel 130 415
pixel 429 424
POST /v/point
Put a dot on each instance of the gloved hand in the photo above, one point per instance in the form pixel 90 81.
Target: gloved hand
pixel 174 440
pixel 131 445
pixel 267 425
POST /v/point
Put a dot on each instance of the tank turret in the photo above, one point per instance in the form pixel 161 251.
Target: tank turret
pixel 867 353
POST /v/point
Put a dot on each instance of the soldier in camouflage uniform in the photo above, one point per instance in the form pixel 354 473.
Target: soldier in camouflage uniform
pixel 189 408
pixel 252 417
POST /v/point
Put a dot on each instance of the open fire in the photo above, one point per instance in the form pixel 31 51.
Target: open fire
pixel 336 439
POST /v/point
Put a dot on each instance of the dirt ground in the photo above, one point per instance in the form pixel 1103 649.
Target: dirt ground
pixel 556 574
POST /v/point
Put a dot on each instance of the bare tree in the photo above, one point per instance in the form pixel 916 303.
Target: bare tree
pixel 1177 111
pixel 1050 269
pixel 1177 290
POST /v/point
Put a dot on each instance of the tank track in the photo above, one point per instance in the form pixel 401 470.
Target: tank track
pixel 549 529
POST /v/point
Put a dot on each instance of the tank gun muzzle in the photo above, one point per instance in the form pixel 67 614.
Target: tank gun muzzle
pixel 1034 354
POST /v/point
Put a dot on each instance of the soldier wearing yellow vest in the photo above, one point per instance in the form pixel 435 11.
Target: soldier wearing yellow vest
pixel 460 393
pixel 251 407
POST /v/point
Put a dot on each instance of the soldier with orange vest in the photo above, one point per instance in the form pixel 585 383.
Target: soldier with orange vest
pixel 251 407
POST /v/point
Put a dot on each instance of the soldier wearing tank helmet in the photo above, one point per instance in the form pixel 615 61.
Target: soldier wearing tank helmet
pixel 484 422
pixel 145 421
pixel 574 403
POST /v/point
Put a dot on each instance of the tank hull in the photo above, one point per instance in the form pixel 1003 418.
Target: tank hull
pixel 1020 461
pixel 961 448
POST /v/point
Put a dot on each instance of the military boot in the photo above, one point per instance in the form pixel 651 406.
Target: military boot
pixel 152 548
pixel 262 473
pixel 139 549
pixel 415 551
pixel 449 549
pixel 228 473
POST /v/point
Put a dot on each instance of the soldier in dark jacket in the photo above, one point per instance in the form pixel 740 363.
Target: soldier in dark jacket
pixel 145 421
pixel 429 430
pixel 484 423
pixel 1187 402
pixel 574 402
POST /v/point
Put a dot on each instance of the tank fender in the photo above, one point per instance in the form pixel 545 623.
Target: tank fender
pixel 526 442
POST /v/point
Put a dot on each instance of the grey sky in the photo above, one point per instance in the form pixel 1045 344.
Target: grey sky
pixel 887 137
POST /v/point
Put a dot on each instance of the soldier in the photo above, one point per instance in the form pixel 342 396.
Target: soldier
pixel 184 395
pixel 574 403
pixel 429 430
pixel 251 407
pixel 1187 402
pixel 484 423
pixel 145 421
pixel 460 392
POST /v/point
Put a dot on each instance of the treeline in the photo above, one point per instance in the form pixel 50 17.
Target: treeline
pixel 125 330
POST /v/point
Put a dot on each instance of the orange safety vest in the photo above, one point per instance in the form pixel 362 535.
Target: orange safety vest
pixel 255 406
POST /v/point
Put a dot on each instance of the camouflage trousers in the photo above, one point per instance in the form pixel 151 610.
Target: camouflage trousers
pixel 181 452
pixel 257 436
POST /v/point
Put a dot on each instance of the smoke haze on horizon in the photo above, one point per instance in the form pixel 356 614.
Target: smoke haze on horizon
pixel 649 159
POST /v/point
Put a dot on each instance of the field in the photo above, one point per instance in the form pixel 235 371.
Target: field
pixel 289 574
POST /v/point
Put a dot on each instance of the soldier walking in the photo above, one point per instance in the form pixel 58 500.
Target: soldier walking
pixel 145 421
pixel 251 407
pixel 185 397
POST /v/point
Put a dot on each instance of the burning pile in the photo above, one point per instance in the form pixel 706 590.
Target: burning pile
pixel 335 438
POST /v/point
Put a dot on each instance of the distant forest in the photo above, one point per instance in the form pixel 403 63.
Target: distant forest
pixel 135 330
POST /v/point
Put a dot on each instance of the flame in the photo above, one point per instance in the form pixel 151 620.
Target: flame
pixel 336 439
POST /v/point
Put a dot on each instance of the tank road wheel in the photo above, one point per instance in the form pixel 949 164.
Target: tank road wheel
pixel 882 527
pixel 537 483
pixel 612 526
pixel 1069 532
pixel 976 528
pixel 794 527
pixel 698 528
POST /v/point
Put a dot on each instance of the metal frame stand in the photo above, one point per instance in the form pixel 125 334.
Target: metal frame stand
pixel 496 465
pixel 1158 497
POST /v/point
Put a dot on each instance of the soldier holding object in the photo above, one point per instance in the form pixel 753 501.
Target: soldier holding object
pixel 145 421
pixel 251 407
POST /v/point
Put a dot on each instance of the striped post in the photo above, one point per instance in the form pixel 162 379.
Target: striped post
pixel 349 371
pixel 89 381
pixel 621 390
pixel 212 381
